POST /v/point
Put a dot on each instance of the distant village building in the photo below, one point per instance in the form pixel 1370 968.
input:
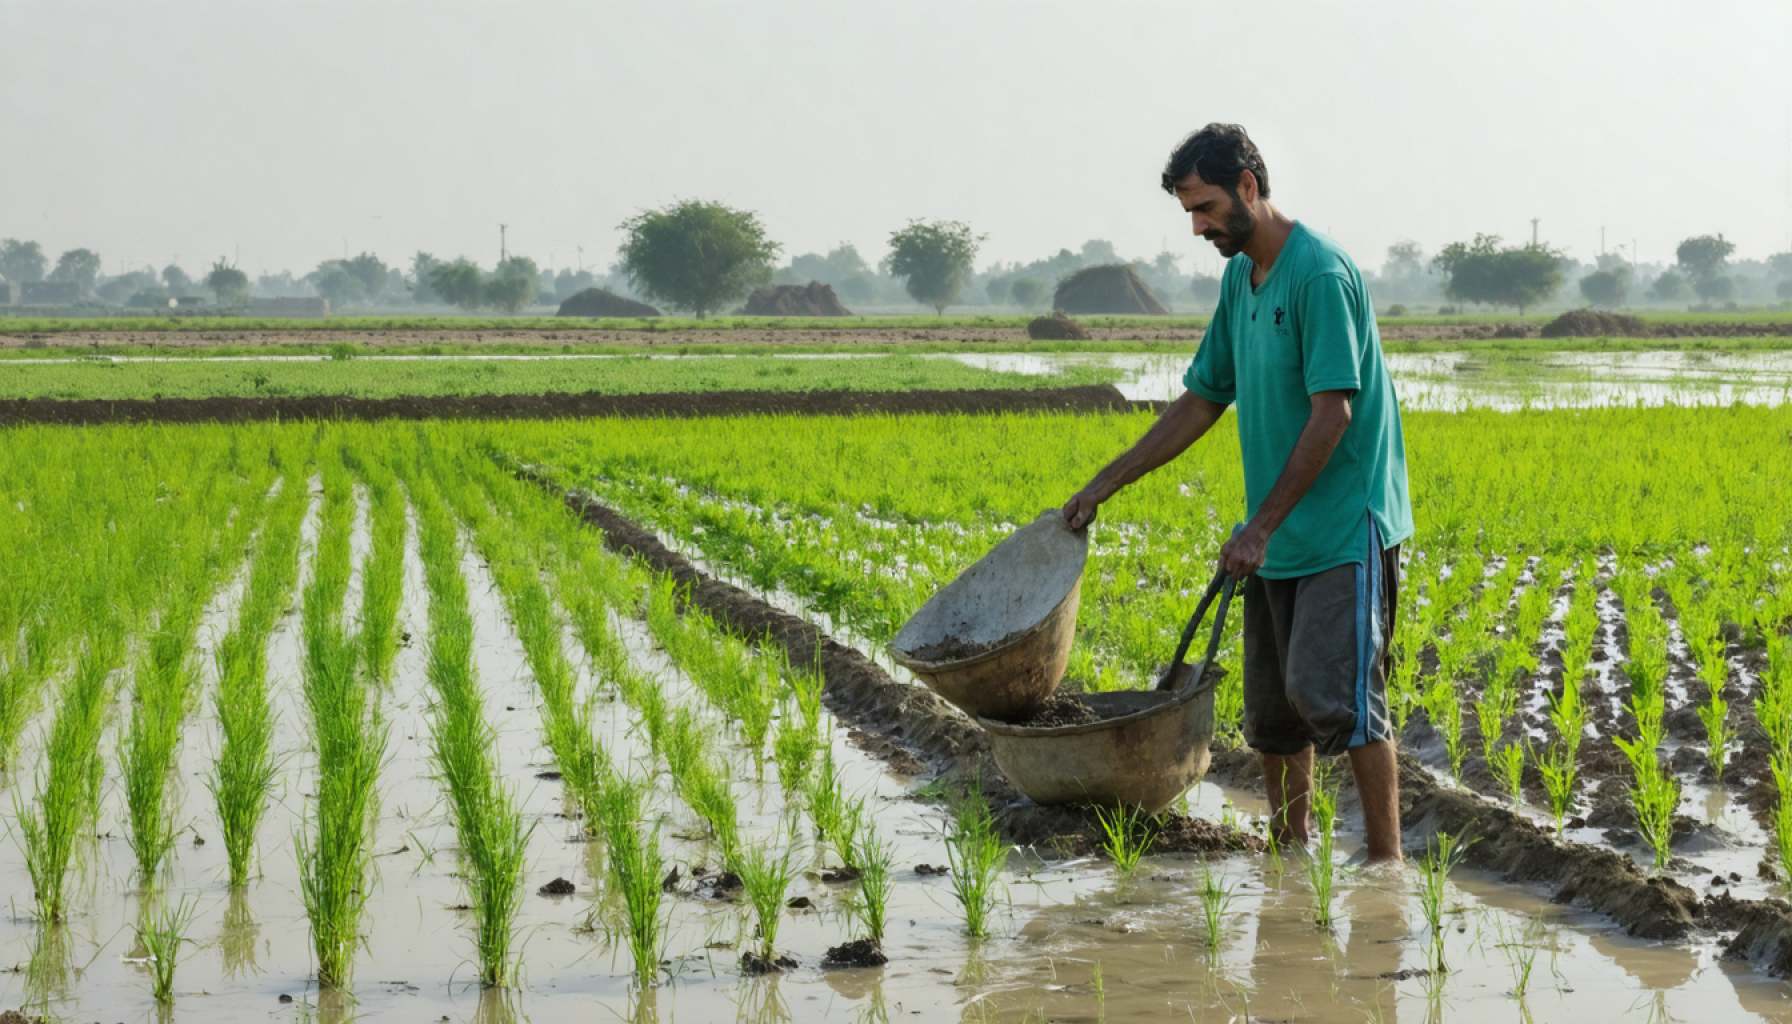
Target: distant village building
pixel 51 293
pixel 294 307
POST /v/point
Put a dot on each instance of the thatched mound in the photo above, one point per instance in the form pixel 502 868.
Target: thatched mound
pixel 598 302
pixel 1056 327
pixel 812 299
pixel 1112 288
pixel 1592 323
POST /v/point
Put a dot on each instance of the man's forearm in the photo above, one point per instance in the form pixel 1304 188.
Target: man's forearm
pixel 1181 424
pixel 1318 439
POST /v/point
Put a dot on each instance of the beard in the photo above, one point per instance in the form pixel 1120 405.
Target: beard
pixel 1239 227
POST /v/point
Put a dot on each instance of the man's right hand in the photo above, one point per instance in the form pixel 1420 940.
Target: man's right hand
pixel 1079 511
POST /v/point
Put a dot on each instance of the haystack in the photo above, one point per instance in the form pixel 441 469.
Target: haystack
pixel 1110 288
pixel 1593 323
pixel 812 299
pixel 598 302
pixel 1056 327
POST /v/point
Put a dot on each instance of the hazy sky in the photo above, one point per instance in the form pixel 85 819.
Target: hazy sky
pixel 290 133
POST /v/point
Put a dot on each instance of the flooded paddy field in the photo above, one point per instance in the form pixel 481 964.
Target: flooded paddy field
pixel 706 643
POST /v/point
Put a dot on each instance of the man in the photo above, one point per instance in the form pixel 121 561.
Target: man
pixel 1293 343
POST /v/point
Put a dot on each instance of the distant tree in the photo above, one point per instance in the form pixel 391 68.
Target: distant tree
pixel 1167 264
pixel 370 272
pixel 280 284
pixel 1204 288
pixel 120 289
pixel 22 262
pixel 570 282
pixel 512 285
pixel 423 265
pixel 1606 287
pixel 176 280
pixel 858 287
pixel 837 265
pixel 1716 288
pixel 1671 286
pixel 1028 292
pixel 696 255
pixel 1703 255
pixel 457 283
pixel 153 297
pixel 1405 259
pixel 934 260
pixel 1483 272
pixel 334 282
pixel 1097 251
pixel 229 284
pixel 1781 265
pixel 1784 288
pixel 78 267
pixel 997 288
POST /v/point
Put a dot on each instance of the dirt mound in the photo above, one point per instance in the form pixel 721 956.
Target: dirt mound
pixel 1061 709
pixel 1592 323
pixel 598 302
pixel 812 299
pixel 857 953
pixel 1110 288
pixel 1056 327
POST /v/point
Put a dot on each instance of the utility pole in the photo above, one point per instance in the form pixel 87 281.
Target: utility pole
pixel 503 252
pixel 1533 232
pixel 581 258
pixel 1601 240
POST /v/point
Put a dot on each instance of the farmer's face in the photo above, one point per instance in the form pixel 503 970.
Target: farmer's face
pixel 1220 216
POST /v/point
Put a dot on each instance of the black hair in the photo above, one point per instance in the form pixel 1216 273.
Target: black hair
pixel 1219 153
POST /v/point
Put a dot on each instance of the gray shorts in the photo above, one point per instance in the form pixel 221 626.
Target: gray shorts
pixel 1315 656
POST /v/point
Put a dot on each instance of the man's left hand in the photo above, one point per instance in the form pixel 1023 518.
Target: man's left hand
pixel 1243 553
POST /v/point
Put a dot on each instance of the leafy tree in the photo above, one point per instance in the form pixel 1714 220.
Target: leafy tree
pixel 934 260
pixel 176 280
pixel 334 282
pixel 571 282
pixel 21 262
pixel 997 288
pixel 370 272
pixel 1606 287
pixel 120 289
pixel 423 265
pixel 78 266
pixel 1781 265
pixel 858 287
pixel 1671 286
pixel 838 265
pixel 1404 260
pixel 279 284
pixel 457 283
pixel 229 284
pixel 1784 288
pixel 1716 288
pixel 696 255
pixel 1097 251
pixel 1481 271
pixel 512 285
pixel 1028 292
pixel 1204 288
pixel 1703 257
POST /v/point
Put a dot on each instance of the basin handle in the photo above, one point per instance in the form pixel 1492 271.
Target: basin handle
pixel 1222 587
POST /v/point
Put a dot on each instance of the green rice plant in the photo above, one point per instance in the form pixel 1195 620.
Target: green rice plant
pixel 1714 714
pixel 1321 871
pixel 873 858
pixel 1127 833
pixel 1654 792
pixel 709 793
pixel 1444 708
pixel 161 937
pixel 765 877
pixel 793 750
pixel 1781 766
pixel 683 742
pixel 69 786
pixel 1556 765
pixel 1520 948
pixel 635 867
pixel 1508 766
pixel 1441 857
pixel 382 578
pixel 829 808
pixel 975 854
pixel 1215 898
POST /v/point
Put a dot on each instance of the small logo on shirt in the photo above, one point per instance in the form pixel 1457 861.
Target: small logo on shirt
pixel 1279 314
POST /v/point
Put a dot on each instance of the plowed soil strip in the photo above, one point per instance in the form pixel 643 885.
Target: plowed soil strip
pixel 1091 398
pixel 899 721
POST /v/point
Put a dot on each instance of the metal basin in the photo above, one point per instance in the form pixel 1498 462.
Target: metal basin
pixel 1154 750
pixel 1010 620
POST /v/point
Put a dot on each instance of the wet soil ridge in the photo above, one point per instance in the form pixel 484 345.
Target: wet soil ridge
pixel 899 723
pixel 668 405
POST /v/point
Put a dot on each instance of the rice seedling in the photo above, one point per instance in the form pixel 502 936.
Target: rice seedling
pixel 635 872
pixel 1321 871
pixel 1520 947
pixel 873 858
pixel 710 794
pixel 382 578
pixel 828 805
pixel 1215 898
pixel 69 786
pixel 975 854
pixel 1127 833
pixel 1441 857
pixel 765 877
pixel 161 937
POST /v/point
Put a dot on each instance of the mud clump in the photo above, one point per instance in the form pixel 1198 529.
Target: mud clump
pixel 1109 288
pixel 754 964
pixel 957 648
pixel 1056 327
pixel 1060 709
pixel 1592 323
pixel 558 887
pixel 857 953
pixel 598 302
pixel 812 299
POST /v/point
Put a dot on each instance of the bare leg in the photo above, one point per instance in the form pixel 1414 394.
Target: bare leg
pixel 1288 779
pixel 1378 786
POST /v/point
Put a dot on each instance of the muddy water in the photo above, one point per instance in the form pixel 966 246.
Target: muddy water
pixel 1057 922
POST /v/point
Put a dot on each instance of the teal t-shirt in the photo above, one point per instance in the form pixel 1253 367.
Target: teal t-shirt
pixel 1309 327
